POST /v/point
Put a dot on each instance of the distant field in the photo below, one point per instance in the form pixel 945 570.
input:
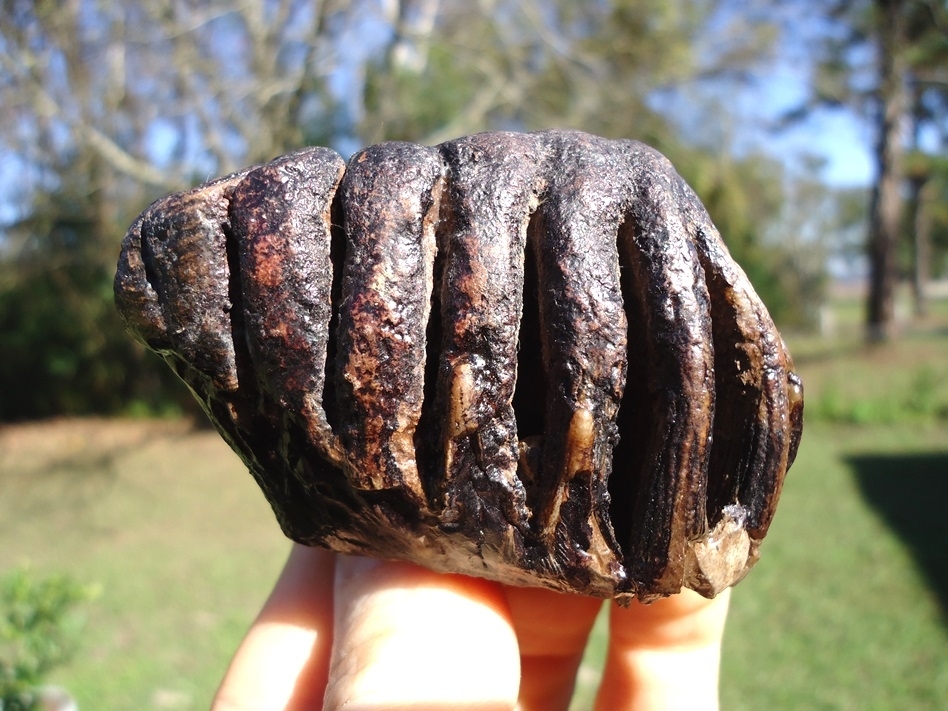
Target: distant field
pixel 847 609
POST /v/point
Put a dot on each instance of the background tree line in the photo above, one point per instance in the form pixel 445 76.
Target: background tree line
pixel 107 106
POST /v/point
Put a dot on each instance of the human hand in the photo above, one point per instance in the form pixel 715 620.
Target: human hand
pixel 341 631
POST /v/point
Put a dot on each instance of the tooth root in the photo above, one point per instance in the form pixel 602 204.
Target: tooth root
pixel 390 197
pixel 281 212
pixel 579 458
pixel 580 441
pixel 462 419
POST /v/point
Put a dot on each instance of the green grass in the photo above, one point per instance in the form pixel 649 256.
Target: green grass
pixel 170 526
pixel 883 385
pixel 846 610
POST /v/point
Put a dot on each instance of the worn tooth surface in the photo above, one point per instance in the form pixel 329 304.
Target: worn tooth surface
pixel 673 363
pixel 523 357
pixel 177 287
pixel 583 328
pixel 494 184
pixel 390 197
pixel 282 213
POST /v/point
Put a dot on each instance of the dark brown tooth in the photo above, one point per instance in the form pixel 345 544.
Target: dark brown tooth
pixel 583 328
pixel 639 340
pixel 179 246
pixel 177 286
pixel 281 216
pixel 671 425
pixel 753 428
pixel 390 197
pixel 493 188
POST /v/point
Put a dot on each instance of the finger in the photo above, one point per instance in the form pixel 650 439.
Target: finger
pixel 283 661
pixel 552 629
pixel 665 655
pixel 408 638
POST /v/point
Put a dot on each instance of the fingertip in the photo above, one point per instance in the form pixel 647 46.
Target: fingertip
pixel 666 655
pixel 406 637
pixel 283 661
pixel 683 621
pixel 552 631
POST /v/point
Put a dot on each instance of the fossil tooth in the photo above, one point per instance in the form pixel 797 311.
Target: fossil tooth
pixel 583 329
pixel 492 189
pixel 527 357
pixel 175 280
pixel 671 358
pixel 756 428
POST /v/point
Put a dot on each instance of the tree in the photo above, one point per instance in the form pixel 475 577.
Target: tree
pixel 104 107
pixel 926 167
pixel 885 210
pixel 906 42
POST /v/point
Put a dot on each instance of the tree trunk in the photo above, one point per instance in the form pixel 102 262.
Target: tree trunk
pixel 886 208
pixel 921 227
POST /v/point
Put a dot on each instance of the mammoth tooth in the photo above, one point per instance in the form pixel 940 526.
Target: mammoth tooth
pixel 526 357
pixel 759 423
pixel 669 411
pixel 583 330
pixel 173 281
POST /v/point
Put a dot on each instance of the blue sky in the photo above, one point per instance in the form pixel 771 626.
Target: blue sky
pixel 844 142
pixel 838 136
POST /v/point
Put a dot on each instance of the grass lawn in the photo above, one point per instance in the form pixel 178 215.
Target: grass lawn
pixel 846 610
pixel 170 526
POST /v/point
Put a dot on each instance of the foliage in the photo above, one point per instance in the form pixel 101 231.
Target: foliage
pixel 38 630
pixel 919 402
pixel 64 348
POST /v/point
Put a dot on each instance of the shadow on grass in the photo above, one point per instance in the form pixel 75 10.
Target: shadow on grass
pixel 910 491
